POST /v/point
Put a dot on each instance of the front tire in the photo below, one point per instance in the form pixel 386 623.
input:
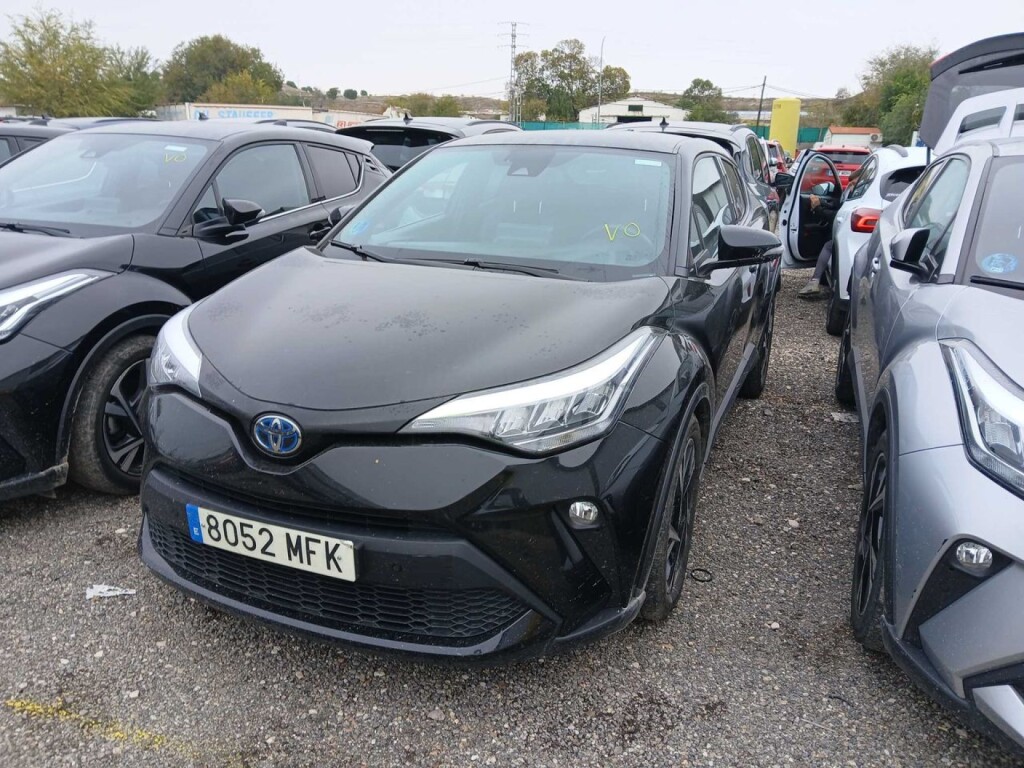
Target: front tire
pixel 672 552
pixel 106 437
pixel 867 591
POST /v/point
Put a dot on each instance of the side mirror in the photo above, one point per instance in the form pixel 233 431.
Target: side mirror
pixel 784 181
pixel 337 215
pixel 241 213
pixel 908 249
pixel 824 189
pixel 743 247
pixel 219 228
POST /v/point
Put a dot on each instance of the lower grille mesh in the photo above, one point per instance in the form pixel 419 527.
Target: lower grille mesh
pixel 415 615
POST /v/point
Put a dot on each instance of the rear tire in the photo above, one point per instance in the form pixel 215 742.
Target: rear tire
pixel 672 552
pixel 106 437
pixel 754 383
pixel 835 312
pixel 867 589
pixel 844 376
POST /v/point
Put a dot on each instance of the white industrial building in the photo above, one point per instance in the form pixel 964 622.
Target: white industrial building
pixel 632 110
pixel 337 118
pixel 842 136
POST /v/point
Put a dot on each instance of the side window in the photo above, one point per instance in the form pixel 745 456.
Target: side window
pixel 865 176
pixel 710 204
pixel 737 195
pixel 7 149
pixel 758 160
pixel 27 144
pixel 333 170
pixel 816 171
pixel 937 208
pixel 923 184
pixel 207 208
pixel 270 176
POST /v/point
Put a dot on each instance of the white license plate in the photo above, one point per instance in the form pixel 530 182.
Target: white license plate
pixel 844 173
pixel 302 550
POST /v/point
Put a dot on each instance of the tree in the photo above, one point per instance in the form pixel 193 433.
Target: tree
pixel 332 93
pixel 533 108
pixel 446 106
pixel 363 93
pixel 136 73
pixel 566 80
pixel 895 85
pixel 197 65
pixel 703 100
pixel 291 84
pixel 56 67
pixel 240 88
pixel 350 93
pixel 417 104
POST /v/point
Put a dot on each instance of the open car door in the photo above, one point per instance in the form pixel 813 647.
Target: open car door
pixel 805 224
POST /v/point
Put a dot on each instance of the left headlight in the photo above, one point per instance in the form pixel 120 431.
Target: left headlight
pixel 551 413
pixel 991 412
pixel 176 360
pixel 20 303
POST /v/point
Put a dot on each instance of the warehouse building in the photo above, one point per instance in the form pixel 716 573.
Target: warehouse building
pixel 631 110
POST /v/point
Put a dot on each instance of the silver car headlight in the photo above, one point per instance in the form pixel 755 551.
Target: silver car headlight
pixel 991 412
pixel 176 359
pixel 20 303
pixel 553 412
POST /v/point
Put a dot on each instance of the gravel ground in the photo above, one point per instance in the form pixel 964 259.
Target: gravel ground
pixel 756 667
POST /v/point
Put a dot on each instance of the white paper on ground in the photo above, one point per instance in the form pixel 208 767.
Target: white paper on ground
pixel 106 590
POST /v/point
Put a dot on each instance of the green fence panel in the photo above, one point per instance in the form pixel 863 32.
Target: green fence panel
pixel 551 125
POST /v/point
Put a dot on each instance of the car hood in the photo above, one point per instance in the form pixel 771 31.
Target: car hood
pixel 28 256
pixel 992 321
pixel 331 334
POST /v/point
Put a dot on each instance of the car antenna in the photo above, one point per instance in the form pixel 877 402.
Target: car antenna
pixel 407 119
pixel 202 116
pixel 663 124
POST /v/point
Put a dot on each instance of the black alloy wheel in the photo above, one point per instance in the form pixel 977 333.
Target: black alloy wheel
pixel 867 594
pixel 844 376
pixel 668 571
pixel 107 445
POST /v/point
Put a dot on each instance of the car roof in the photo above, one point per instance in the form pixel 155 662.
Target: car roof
pixel 644 141
pixel 32 130
pixel 894 156
pixel 1007 147
pixel 454 126
pixel 224 130
pixel 687 128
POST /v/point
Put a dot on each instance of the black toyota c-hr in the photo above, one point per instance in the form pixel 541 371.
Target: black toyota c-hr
pixel 107 232
pixel 472 424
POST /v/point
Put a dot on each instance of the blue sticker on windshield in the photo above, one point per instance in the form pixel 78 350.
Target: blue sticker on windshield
pixel 999 263
pixel 358 227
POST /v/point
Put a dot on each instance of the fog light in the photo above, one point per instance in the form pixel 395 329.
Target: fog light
pixel 583 512
pixel 974 556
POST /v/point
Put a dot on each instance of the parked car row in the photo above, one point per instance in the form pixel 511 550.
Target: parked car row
pixel 463 411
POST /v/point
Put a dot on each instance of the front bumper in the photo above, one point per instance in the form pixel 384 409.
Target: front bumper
pixel 34 378
pixel 462 551
pixel 961 636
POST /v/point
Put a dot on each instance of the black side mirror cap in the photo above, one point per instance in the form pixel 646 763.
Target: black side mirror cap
pixel 743 247
pixel 220 229
pixel 908 252
pixel 241 213
pixel 337 215
pixel 783 181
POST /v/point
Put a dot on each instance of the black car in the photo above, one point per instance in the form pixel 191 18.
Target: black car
pixel 19 135
pixel 106 233
pixel 473 422
pixel 740 142
pixel 396 141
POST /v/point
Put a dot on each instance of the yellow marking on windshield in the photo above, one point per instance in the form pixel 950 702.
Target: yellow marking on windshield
pixel 632 229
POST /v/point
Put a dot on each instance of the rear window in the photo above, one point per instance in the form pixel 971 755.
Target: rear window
pixel 397 146
pixel 897 181
pixel 845 157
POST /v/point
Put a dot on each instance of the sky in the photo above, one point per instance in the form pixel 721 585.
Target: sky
pixel 403 46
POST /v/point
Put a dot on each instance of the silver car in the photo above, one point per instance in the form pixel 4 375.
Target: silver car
pixel 932 356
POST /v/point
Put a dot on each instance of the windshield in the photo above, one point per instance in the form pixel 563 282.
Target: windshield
pixel 596 214
pixel 998 250
pixel 98 181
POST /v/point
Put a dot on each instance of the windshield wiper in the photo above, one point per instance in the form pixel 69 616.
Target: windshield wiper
pixel 501 266
pixel 14 226
pixel 996 282
pixel 359 250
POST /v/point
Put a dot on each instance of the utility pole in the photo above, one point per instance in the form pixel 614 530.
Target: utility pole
pixel 515 106
pixel 600 81
pixel 760 103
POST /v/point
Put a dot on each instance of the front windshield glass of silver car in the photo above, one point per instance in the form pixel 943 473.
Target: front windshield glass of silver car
pixel 998 251
pixel 91 183
pixel 596 214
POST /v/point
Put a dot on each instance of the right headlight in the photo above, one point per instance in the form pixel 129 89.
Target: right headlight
pixel 176 359
pixel 991 412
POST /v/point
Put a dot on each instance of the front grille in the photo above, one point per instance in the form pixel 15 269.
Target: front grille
pixel 414 615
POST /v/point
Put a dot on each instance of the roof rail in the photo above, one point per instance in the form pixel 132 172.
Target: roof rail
pixel 898 149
